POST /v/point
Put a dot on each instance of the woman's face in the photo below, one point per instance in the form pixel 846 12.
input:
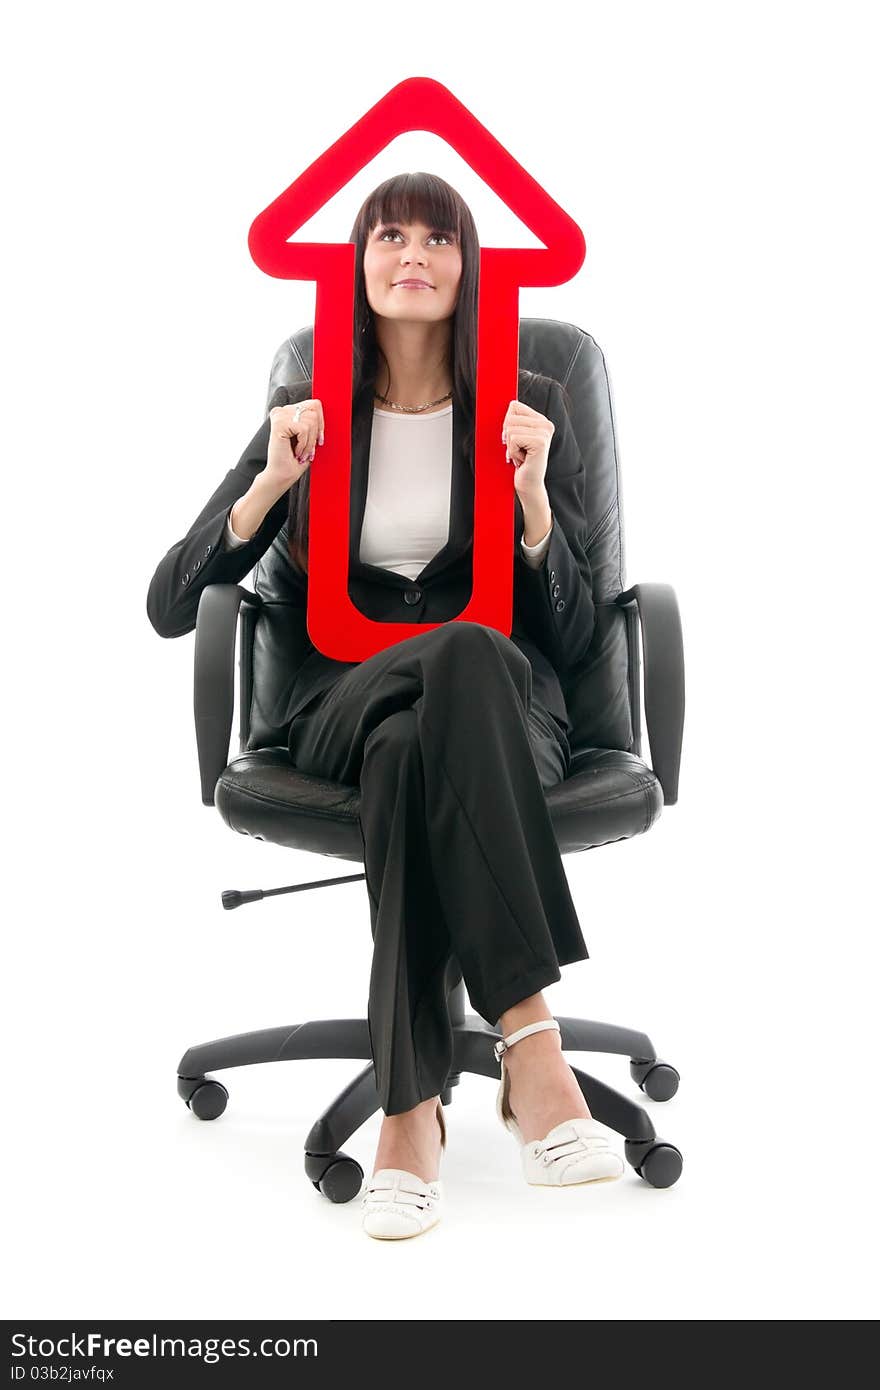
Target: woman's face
pixel 397 252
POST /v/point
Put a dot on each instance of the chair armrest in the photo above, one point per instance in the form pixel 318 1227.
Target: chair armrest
pixel 214 679
pixel 664 678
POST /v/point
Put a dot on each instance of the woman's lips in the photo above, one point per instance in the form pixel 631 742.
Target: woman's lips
pixel 411 285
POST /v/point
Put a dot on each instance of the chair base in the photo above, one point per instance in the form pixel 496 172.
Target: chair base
pixel 339 1176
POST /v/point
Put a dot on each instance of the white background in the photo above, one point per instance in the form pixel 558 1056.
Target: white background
pixel 721 162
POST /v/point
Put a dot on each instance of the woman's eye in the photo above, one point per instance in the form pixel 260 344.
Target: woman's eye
pixel 395 232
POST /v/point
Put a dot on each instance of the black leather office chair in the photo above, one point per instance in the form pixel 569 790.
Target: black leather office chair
pixel 610 793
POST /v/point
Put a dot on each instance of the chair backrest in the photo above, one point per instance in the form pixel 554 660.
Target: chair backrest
pixel 601 692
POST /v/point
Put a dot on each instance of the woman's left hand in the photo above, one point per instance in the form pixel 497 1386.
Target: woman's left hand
pixel 527 435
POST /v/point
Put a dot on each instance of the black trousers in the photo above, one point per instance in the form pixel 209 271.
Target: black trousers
pixel 463 871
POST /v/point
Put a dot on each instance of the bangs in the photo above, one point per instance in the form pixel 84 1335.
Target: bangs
pixel 415 198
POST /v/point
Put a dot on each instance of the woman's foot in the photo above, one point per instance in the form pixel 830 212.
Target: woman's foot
pixel 412 1141
pixel 544 1090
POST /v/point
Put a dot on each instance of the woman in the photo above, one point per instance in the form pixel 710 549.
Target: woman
pixel 452 735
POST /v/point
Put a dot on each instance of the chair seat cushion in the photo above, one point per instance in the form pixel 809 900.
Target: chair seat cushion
pixel 608 795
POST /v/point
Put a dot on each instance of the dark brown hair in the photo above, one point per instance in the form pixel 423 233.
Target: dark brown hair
pixel 406 198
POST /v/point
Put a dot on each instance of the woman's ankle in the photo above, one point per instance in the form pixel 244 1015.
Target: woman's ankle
pixel 421 1113
pixel 536 1052
pixel 534 1009
pixel 540 1077
pixel 412 1141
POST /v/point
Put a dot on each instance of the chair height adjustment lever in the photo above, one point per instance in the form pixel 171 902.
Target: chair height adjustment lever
pixel 233 897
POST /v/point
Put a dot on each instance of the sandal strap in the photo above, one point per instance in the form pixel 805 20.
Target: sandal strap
pixel 504 1043
pixel 396 1185
pixel 572 1136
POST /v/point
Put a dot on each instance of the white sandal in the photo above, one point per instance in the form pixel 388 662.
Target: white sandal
pixel 397 1204
pixel 575 1151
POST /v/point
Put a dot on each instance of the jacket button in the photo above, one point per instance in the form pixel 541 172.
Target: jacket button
pixel 560 605
pixel 412 595
pixel 552 576
pixel 208 551
pixel 556 591
pixel 185 579
pixel 198 565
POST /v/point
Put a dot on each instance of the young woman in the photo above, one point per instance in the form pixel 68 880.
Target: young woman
pixel 453 735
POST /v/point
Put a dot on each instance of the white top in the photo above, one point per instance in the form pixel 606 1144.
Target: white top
pixel 409 486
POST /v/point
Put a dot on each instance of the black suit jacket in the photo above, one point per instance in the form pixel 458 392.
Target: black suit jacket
pixel 553 608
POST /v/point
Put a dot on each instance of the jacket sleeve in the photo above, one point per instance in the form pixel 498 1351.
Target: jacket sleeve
pixel 556 599
pixel 201 557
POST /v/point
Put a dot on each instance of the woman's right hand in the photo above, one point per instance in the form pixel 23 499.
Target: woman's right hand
pixel 292 442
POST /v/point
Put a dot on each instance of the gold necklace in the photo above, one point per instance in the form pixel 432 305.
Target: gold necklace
pixel 411 409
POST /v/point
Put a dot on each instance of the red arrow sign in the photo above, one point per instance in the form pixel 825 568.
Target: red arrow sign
pixel 335 625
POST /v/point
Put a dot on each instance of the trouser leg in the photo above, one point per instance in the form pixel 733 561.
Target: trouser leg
pixel 489 848
pixel 410 1028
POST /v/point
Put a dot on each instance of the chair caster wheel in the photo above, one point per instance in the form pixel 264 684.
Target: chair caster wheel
pixel 205 1097
pixel 339 1177
pixel 657 1079
pixel 661 1166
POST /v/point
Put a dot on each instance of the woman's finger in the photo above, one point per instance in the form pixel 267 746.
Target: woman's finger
pixel 308 427
pixel 521 409
pixel 306 443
